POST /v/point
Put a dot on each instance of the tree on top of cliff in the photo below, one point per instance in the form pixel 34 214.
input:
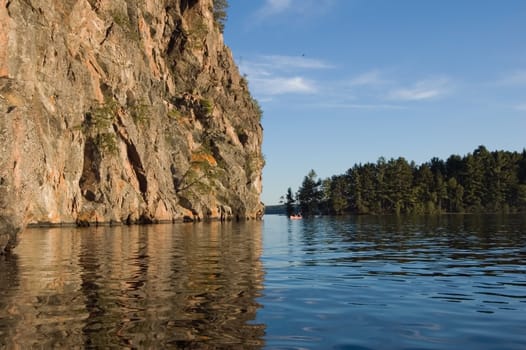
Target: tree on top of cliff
pixel 220 14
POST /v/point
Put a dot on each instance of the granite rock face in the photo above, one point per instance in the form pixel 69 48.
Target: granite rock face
pixel 121 111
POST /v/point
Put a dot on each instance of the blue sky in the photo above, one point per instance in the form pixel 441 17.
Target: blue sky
pixel 348 81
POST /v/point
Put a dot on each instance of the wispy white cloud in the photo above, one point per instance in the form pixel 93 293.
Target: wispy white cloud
pixel 366 106
pixel 303 7
pixel 295 62
pixel 521 107
pixel 283 85
pixel 370 78
pixel 272 7
pixel 271 75
pixel 413 94
pixel 379 85
pixel 422 90
pixel 265 64
pixel 517 77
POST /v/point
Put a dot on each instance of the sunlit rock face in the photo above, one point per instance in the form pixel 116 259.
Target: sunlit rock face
pixel 117 111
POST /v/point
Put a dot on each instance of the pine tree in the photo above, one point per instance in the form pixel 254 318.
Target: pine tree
pixel 309 194
pixel 473 183
pixel 425 196
pixel 290 203
pixel 339 195
pixel 355 190
pixel 479 181
pixel 335 195
pixel 455 192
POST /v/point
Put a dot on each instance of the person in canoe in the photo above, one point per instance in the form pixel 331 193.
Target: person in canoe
pixel 296 217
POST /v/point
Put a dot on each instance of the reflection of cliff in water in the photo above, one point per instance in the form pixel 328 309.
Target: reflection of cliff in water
pixel 162 286
pixel 9 282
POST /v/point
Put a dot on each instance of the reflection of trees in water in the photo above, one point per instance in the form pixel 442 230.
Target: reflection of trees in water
pixel 408 238
pixel 163 286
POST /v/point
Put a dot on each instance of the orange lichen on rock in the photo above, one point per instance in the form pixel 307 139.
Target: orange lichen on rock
pixel 201 157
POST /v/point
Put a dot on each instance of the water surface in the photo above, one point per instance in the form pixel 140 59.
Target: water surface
pixel 161 286
pixel 449 282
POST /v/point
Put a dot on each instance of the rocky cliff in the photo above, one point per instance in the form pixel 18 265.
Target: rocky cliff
pixel 122 111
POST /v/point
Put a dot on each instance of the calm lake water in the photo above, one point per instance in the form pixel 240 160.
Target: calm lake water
pixel 449 282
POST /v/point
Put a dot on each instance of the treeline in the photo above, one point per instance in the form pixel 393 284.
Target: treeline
pixel 481 181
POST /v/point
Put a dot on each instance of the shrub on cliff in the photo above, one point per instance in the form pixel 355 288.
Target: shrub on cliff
pixel 220 14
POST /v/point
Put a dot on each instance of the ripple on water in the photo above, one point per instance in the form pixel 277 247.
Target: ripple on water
pixel 341 283
pixel 359 284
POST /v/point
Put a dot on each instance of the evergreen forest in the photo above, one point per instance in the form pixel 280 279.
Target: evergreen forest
pixel 478 182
